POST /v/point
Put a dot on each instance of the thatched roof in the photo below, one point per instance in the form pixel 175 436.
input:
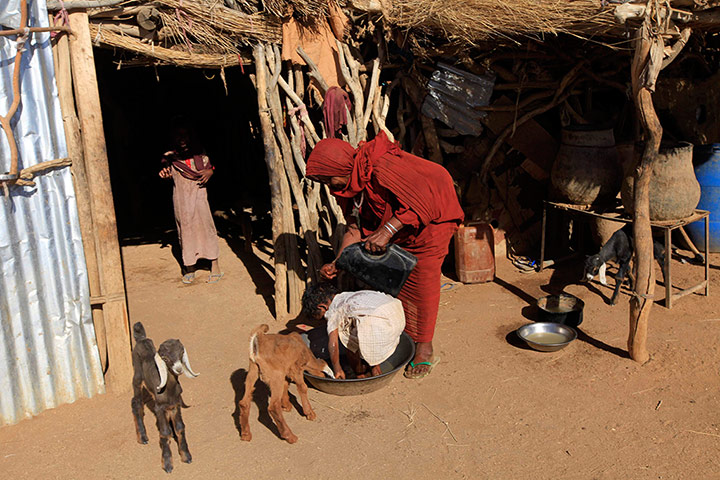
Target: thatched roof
pixel 473 21
pixel 223 29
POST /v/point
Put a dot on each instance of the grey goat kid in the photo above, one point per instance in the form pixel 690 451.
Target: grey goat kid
pixel 159 371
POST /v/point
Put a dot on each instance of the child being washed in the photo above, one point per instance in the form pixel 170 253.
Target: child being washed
pixel 368 323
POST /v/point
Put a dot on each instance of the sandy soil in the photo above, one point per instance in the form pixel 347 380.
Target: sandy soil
pixel 489 410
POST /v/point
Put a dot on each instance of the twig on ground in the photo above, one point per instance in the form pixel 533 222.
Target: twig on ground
pixel 643 391
pixel 358 436
pixel 704 433
pixel 410 414
pixel 447 425
pixel 328 406
pixel 658 405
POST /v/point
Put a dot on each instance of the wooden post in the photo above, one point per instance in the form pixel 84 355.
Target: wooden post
pixel 643 80
pixel 119 375
pixel 647 63
pixel 275 167
pixel 82 190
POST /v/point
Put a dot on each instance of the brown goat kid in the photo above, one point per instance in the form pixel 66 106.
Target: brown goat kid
pixel 278 359
pixel 159 371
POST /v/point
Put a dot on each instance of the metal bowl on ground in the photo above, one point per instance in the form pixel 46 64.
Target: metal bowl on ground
pixel 564 308
pixel 316 339
pixel 546 336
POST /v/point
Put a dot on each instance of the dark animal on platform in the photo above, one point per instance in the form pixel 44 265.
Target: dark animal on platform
pixel 619 248
pixel 158 372
pixel 278 359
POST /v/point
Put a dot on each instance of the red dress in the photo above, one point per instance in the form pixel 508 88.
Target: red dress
pixel 417 192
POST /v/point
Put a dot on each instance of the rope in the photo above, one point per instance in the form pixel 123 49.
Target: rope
pixel 99 35
pixel 22 38
pixel 643 296
pixel 62 16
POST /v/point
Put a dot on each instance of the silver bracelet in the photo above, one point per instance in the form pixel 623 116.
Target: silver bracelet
pixel 389 230
pixel 388 224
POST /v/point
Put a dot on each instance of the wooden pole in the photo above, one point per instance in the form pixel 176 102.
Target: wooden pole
pixel 275 167
pixel 119 374
pixel 647 63
pixel 80 183
pixel 295 272
pixel 643 79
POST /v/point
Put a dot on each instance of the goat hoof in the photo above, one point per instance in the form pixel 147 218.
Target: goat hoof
pixel 246 437
pixel 291 438
pixel 287 408
pixel 187 458
pixel 311 416
pixel 168 468
pixel 143 441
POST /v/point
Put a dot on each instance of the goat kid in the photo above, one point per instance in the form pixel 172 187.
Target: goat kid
pixel 158 371
pixel 619 248
pixel 278 359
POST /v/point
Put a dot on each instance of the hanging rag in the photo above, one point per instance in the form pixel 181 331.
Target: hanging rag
pixel 334 112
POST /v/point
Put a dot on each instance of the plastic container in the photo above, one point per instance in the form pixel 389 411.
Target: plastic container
pixel 475 253
pixel 706 160
pixel 386 272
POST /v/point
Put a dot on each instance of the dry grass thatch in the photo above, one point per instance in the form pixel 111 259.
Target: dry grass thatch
pixel 212 16
pixel 472 21
pixel 169 56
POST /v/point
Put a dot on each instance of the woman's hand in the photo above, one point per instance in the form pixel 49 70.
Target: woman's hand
pixel 205 176
pixel 165 173
pixel 328 271
pixel 377 241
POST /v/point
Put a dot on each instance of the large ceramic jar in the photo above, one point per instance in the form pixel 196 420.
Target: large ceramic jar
pixel 674 190
pixel 587 168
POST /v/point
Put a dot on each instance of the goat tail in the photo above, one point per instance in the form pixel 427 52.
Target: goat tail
pixel 253 339
pixel 139 332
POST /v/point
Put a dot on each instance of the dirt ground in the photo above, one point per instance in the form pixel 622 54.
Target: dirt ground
pixel 489 410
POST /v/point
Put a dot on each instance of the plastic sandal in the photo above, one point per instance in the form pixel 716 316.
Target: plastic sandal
pixel 215 277
pixel 431 364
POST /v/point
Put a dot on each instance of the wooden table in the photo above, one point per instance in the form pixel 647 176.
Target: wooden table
pixel 617 214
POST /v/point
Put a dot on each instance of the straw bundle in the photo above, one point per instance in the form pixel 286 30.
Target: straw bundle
pixel 182 31
pixel 472 21
pixel 210 16
pixel 180 58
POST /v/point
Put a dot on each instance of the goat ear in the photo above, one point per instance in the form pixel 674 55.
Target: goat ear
pixel 162 370
pixel 186 364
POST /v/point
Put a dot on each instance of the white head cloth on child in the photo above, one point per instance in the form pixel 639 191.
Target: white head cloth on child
pixel 368 321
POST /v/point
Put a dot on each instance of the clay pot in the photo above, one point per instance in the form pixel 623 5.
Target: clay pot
pixel 674 190
pixel 587 168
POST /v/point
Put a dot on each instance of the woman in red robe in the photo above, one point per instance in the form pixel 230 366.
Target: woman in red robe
pixel 389 195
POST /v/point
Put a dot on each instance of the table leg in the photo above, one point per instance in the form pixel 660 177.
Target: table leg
pixel 542 239
pixel 666 267
pixel 707 255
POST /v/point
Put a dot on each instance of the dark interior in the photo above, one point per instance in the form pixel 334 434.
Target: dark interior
pixel 139 104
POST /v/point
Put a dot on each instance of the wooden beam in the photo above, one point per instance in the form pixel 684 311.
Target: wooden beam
pixel 56 5
pixel 73 140
pixel 119 374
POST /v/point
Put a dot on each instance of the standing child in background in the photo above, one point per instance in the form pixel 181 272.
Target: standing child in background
pixel 368 324
pixel 190 170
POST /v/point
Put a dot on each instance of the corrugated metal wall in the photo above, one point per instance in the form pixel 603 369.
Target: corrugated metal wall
pixel 48 353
